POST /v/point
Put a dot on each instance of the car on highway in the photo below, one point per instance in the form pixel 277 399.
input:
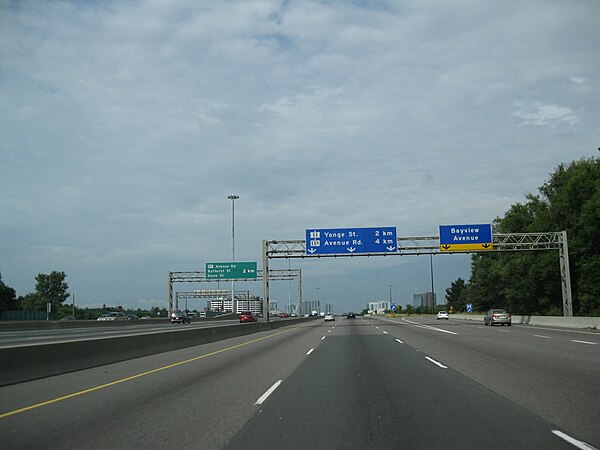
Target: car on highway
pixel 132 317
pixel 247 316
pixel 180 317
pixel 497 315
pixel 443 315
pixel 351 315
pixel 112 316
pixel 67 318
pixel 283 315
pixel 329 317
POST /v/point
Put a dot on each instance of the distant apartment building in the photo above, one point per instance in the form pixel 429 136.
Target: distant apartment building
pixel 378 307
pixel 427 299
pixel 242 303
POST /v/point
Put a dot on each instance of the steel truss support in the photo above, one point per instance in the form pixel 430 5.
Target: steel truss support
pixel 200 277
pixel 502 242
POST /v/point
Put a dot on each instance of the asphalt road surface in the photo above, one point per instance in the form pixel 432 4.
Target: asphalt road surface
pixel 363 383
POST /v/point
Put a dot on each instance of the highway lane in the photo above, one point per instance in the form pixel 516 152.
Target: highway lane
pixel 45 336
pixel 554 373
pixel 375 392
pixel 196 397
pixel 346 384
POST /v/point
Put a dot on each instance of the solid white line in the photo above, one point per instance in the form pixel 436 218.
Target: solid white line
pixel 429 327
pixel 310 351
pixel 398 340
pixel 584 342
pixel 269 392
pixel 540 336
pixel 579 444
pixel 436 363
pixel 323 338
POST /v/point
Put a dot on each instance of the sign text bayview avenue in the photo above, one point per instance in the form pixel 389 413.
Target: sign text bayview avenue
pixel 464 234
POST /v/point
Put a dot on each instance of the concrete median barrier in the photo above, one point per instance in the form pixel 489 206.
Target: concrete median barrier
pixel 25 363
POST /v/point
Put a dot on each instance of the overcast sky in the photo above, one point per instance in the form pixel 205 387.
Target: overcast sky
pixel 125 125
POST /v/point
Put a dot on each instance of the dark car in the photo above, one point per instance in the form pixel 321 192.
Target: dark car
pixel 494 316
pixel 180 317
pixel 247 316
pixel 351 315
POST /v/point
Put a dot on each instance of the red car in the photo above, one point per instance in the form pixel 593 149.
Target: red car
pixel 283 315
pixel 247 316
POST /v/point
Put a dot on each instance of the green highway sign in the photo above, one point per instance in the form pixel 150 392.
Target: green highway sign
pixel 230 270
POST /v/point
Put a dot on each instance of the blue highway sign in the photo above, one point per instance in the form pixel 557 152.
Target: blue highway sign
pixel 465 237
pixel 349 241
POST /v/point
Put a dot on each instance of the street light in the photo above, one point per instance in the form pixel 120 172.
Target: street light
pixel 233 198
pixel 432 287
pixel 318 304
pixel 390 294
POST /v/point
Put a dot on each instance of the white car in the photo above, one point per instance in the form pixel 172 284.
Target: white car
pixel 329 317
pixel 443 315
pixel 112 316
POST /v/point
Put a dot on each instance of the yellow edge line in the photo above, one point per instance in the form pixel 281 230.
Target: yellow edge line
pixel 133 377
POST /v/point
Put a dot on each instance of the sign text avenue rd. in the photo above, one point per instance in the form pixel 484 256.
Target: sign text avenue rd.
pixel 465 237
pixel 349 241
pixel 230 270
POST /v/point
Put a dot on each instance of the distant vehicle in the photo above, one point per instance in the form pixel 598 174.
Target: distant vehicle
pixel 443 315
pixel 494 316
pixel 351 315
pixel 145 317
pixel 132 317
pixel 247 316
pixel 67 318
pixel 180 317
pixel 314 313
pixel 192 314
pixel 283 315
pixel 329 317
pixel 112 316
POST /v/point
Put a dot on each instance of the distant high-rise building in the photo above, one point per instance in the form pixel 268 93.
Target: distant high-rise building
pixel 378 307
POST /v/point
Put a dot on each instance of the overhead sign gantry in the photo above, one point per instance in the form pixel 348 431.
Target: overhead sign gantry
pixel 452 239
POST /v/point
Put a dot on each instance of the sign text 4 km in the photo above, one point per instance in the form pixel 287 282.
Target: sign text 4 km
pixel 328 241
pixel 230 270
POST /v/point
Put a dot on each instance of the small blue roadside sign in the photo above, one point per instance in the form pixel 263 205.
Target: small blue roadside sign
pixel 393 307
pixel 465 237
pixel 350 241
pixel 469 307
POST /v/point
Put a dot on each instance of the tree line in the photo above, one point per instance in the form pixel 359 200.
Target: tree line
pixel 529 282
pixel 52 288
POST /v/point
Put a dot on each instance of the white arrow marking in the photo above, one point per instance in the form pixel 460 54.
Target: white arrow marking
pixel 311 250
pixel 351 249
pixel 391 249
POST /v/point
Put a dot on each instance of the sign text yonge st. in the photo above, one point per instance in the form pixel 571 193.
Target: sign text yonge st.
pixel 349 241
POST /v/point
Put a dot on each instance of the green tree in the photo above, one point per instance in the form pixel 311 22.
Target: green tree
pixel 8 297
pixel 31 302
pixel 455 295
pixel 529 282
pixel 52 288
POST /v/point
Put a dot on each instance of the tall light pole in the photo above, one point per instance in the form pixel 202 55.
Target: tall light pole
pixel 390 294
pixel 233 198
pixel 432 288
pixel 318 304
